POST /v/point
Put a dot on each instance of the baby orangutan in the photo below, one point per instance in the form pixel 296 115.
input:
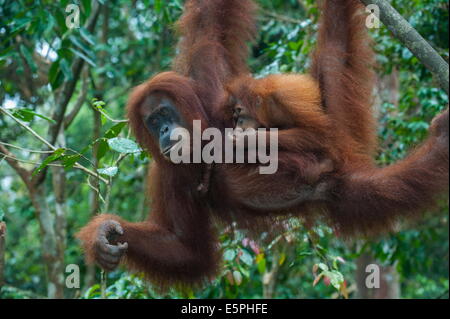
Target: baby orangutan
pixel 254 104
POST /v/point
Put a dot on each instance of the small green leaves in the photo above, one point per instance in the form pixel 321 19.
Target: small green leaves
pixel 333 276
pixel 261 262
pixel 115 130
pixel 237 276
pixel 229 255
pixel 56 155
pixel 70 160
pixel 28 115
pixel 98 104
pixel 246 258
pixel 109 171
pixel 123 145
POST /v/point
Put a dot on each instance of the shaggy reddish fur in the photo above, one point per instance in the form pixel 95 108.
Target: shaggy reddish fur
pixel 177 245
pixel 357 198
pixel 324 117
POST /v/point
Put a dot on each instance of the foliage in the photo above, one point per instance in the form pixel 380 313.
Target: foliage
pixel 129 44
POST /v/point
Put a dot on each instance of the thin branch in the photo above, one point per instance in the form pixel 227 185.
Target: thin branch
pixel 52 147
pixel 10 157
pixel 67 91
pixel 403 31
pixel 109 117
pixel 25 149
pixel 29 129
pixel 24 174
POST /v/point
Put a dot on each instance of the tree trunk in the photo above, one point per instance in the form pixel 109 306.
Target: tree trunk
pixel 50 247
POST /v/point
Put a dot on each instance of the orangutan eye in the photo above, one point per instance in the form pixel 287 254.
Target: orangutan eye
pixel 152 121
pixel 164 112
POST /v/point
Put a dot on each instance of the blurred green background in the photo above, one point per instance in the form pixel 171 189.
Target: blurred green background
pixel 47 69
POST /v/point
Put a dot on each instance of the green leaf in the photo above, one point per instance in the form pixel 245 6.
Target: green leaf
pixel 79 44
pixel 65 68
pixel 24 116
pixel 115 130
pixel 103 148
pixel 56 155
pixel 69 161
pixel 28 115
pixel 61 20
pixel 87 36
pixel 87 7
pixel 20 23
pixel 237 276
pixel 123 145
pixel 336 278
pixel 246 258
pixel 261 261
pixel 27 55
pixel 83 56
pixel 323 266
pixel 98 104
pixel 144 155
pixel 55 76
pixel 229 255
pixel 158 6
pixel 109 171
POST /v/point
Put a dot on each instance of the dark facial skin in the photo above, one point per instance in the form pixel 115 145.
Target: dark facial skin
pixel 243 119
pixel 161 117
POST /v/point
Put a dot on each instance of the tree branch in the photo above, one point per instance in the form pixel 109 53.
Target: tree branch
pixel 43 140
pixel 403 31
pixel 24 174
pixel 67 91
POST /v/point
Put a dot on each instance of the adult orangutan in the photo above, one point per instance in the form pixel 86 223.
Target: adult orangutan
pixel 326 143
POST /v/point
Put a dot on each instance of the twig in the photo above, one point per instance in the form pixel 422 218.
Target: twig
pixel 40 138
pixel 12 157
pixel 29 129
pixel 24 174
pixel 403 31
pixel 25 149
pixel 319 253
pixel 108 117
